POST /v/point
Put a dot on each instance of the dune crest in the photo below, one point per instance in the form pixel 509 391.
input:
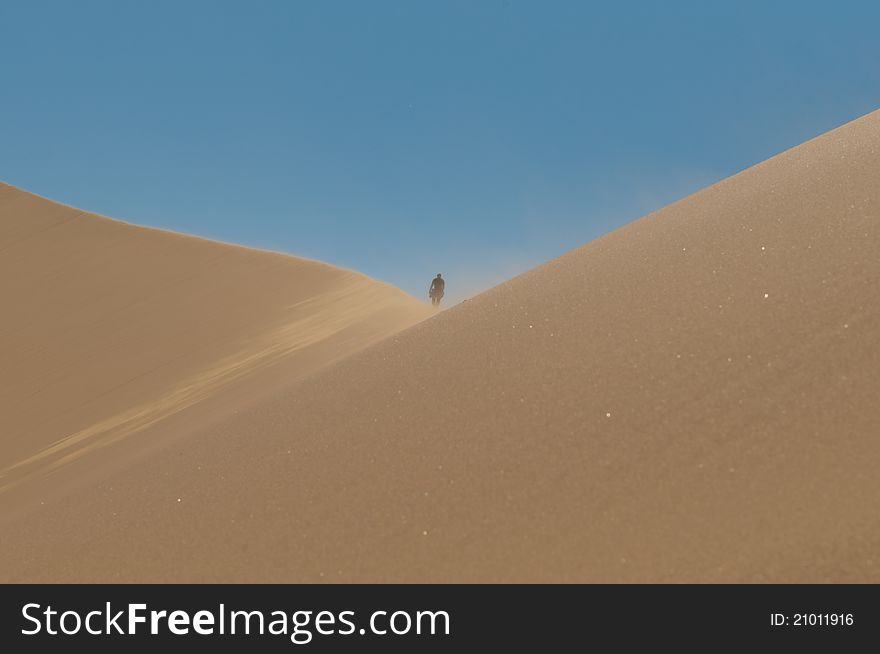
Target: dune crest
pixel 166 322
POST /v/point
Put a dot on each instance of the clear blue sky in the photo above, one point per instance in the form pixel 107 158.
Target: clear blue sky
pixel 476 138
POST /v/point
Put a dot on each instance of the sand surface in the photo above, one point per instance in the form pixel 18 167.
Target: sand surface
pixel 110 329
pixel 694 397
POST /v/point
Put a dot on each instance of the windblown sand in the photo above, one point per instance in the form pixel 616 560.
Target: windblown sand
pixel 694 397
pixel 110 329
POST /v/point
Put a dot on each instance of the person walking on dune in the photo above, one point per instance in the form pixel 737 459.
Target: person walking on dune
pixel 436 290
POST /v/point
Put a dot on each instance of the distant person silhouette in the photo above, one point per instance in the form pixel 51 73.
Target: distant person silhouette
pixel 436 290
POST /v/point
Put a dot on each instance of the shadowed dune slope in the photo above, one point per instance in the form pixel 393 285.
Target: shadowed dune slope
pixel 693 397
pixel 109 329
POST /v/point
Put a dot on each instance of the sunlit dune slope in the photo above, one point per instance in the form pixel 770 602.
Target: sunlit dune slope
pixel 694 397
pixel 108 328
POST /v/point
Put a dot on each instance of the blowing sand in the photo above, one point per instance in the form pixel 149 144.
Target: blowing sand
pixel 693 397
pixel 109 329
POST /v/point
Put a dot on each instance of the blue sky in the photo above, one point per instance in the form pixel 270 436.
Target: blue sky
pixel 476 138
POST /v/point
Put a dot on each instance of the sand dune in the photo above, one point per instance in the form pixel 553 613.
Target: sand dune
pixel 110 329
pixel 693 397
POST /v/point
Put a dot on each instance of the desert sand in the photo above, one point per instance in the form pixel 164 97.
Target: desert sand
pixel 109 329
pixel 693 397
